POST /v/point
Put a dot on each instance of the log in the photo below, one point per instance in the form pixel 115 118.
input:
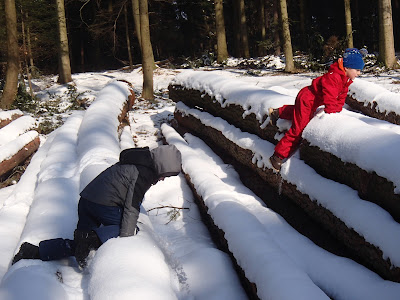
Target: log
pixel 25 145
pixel 218 237
pixel 364 182
pixel 371 110
pixel 370 186
pixel 363 251
pixel 123 117
pixel 7 117
pixel 233 114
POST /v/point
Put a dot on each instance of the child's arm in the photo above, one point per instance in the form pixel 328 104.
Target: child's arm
pixel 332 95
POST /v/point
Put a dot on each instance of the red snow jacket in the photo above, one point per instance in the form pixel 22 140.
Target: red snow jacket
pixel 331 88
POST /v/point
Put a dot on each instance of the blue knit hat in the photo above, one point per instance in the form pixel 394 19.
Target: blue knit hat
pixel 353 59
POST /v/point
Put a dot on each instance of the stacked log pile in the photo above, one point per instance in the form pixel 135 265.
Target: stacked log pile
pixel 200 106
pixel 18 140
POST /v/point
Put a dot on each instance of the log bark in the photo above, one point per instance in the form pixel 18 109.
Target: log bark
pixel 18 158
pixel 366 253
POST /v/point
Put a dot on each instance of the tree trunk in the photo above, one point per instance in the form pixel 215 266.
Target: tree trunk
pixel 386 39
pixel 11 85
pixel 303 24
pixel 128 41
pixel 243 30
pixel 24 49
pixel 287 42
pixel 136 19
pixel 28 39
pixel 236 28
pixel 222 48
pixel 349 29
pixel 65 64
pixel 147 51
pixel 277 39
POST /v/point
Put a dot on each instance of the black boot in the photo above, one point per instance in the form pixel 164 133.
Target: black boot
pixel 26 251
pixel 85 241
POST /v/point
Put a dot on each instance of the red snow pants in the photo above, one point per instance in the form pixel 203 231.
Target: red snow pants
pixel 300 113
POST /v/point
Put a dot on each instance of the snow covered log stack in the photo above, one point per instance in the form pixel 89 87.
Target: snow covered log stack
pixel 18 139
pixel 347 178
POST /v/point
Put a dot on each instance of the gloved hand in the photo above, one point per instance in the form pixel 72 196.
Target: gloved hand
pixel 85 241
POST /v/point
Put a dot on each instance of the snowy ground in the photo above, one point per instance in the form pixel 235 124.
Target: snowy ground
pixel 173 256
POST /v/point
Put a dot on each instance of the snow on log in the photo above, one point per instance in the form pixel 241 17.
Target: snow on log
pixel 351 149
pixel 8 116
pixel 15 152
pixel 375 177
pixel 234 113
pixel 16 128
pixel 96 149
pixel 241 224
pixel 374 101
pixel 355 223
pixel 268 272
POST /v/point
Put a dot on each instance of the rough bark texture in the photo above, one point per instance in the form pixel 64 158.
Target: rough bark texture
pixel 5 122
pixel 232 114
pixel 222 49
pixel 218 237
pixel 17 159
pixel 123 117
pixel 11 85
pixel 370 186
pixel 370 110
pixel 364 252
pixel 147 52
pixel 65 64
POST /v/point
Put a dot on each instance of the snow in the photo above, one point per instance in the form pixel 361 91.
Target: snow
pixel 176 258
pixel 12 147
pixel 368 92
pixel 368 219
pixel 16 128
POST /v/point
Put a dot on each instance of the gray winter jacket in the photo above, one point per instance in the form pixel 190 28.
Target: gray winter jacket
pixel 125 183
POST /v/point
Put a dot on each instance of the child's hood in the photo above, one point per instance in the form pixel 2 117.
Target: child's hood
pixel 167 160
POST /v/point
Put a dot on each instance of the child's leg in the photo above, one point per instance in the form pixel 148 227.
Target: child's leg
pixel 302 115
pixel 56 249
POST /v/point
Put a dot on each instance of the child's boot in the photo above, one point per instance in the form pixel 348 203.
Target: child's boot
pixel 276 162
pixel 26 251
pixel 273 115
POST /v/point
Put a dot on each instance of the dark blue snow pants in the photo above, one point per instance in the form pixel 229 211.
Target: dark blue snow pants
pixel 104 220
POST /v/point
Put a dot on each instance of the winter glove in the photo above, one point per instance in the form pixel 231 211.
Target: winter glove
pixel 85 241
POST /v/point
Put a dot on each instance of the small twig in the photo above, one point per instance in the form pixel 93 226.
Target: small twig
pixel 167 206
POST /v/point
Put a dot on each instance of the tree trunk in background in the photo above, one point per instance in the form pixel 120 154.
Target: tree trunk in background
pixel 147 51
pixel 262 27
pixel 349 27
pixel 236 27
pixel 65 64
pixel 128 41
pixel 287 41
pixel 28 39
pixel 277 39
pixel 304 38
pixel 222 49
pixel 25 51
pixel 386 39
pixel 11 85
pixel 243 30
pixel 136 18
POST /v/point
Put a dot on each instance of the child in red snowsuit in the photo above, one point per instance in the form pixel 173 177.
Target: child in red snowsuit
pixel 329 90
